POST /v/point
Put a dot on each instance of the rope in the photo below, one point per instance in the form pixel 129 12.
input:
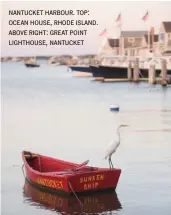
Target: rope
pixel 23 171
pixel 75 193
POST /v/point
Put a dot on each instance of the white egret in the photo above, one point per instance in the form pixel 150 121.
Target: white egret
pixel 113 146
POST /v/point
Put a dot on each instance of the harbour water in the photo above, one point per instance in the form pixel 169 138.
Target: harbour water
pixel 48 111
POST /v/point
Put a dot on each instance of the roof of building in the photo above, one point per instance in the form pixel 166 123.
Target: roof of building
pixel 133 33
pixel 167 26
pixel 113 42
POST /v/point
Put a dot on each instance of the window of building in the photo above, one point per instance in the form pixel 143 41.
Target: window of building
pixel 162 36
pixel 132 52
pixel 131 40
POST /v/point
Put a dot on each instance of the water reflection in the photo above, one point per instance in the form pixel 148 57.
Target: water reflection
pixel 95 203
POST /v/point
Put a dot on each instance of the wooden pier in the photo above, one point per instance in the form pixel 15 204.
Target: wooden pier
pixel 152 75
pixel 134 75
pixel 164 73
pixel 163 80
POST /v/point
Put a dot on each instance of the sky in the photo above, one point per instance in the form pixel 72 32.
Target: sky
pixel 105 13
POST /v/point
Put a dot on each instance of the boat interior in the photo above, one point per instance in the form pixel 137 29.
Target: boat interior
pixel 50 165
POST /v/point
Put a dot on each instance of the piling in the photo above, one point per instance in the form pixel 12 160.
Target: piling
pixel 163 73
pixel 152 75
pixel 136 70
pixel 129 71
pixel 169 80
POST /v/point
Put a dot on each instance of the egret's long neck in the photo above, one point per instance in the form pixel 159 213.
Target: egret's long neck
pixel 118 132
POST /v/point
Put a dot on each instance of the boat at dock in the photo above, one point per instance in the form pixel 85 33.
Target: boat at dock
pixel 68 178
pixel 110 67
pixel 96 203
pixel 116 67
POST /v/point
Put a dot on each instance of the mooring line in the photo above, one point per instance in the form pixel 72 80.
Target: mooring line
pixel 23 171
pixel 75 194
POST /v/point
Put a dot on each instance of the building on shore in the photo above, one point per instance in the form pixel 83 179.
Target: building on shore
pixel 164 44
pixel 111 46
pixel 140 43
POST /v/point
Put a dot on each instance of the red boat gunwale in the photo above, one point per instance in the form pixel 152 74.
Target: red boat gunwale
pixel 65 177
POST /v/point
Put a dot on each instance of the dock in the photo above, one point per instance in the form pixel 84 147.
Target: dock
pixel 134 74
pixel 157 80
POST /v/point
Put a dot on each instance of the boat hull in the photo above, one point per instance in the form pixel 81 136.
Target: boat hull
pixel 31 65
pixel 69 204
pixel 45 173
pixel 122 72
pixel 80 68
pixel 113 72
pixel 97 73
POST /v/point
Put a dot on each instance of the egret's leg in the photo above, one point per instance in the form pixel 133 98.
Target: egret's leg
pixel 110 162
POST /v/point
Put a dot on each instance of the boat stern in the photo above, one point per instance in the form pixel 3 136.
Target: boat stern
pixel 94 181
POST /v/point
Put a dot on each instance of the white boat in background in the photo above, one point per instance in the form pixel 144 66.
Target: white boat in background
pixel 31 62
pixel 53 61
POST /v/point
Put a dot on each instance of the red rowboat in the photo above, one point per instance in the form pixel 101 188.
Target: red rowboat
pixel 99 202
pixel 65 177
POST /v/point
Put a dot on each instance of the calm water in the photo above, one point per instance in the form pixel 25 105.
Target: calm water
pixel 47 110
